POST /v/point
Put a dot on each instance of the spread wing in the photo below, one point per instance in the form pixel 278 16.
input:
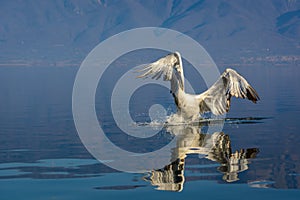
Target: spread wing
pixel 170 67
pixel 217 98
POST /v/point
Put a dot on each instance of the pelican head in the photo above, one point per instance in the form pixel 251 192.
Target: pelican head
pixel 178 57
pixel 179 61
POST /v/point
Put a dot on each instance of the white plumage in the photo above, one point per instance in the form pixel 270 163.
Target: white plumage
pixel 216 99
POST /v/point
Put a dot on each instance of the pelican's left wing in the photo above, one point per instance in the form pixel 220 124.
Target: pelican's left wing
pixel 169 67
pixel 217 98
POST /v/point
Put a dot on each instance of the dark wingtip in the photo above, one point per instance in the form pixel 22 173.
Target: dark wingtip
pixel 252 94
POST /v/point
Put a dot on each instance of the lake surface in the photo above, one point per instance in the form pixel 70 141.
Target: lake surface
pixel 255 156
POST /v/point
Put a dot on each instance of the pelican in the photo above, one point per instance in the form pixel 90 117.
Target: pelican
pixel 189 106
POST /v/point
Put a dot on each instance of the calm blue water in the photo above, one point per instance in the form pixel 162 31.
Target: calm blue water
pixel 41 156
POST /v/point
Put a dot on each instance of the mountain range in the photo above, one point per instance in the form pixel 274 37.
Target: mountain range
pixel 61 32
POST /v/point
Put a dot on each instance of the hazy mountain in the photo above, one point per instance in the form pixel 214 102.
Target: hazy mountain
pixel 66 30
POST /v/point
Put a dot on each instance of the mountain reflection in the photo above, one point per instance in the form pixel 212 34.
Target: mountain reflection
pixel 215 147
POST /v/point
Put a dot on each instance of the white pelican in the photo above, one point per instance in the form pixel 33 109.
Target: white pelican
pixel 216 99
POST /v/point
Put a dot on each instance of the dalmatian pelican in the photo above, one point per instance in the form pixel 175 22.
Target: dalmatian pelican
pixel 215 99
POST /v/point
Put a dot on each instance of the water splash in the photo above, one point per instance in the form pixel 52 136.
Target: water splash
pixel 176 120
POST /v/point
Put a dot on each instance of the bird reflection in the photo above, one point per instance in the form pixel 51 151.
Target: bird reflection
pixel 215 147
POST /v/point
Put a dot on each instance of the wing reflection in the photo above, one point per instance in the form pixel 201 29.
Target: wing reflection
pixel 215 147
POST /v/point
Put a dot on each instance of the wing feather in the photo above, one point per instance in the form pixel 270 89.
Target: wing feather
pixel 217 98
pixel 166 67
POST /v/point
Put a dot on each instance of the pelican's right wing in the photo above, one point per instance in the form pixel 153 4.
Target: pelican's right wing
pixel 217 98
pixel 169 67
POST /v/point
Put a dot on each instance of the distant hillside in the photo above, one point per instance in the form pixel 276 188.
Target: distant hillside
pixel 64 31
